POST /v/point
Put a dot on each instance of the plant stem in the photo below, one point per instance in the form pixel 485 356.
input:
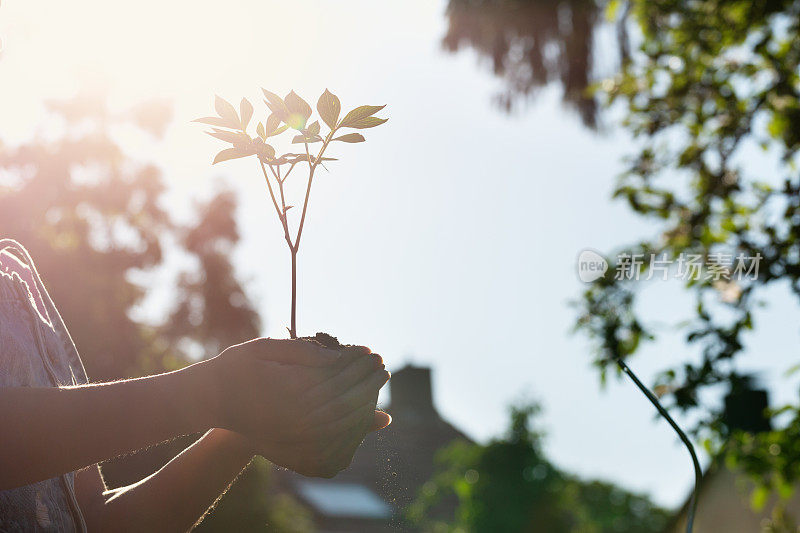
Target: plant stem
pixel 698 474
pixel 281 210
pixel 294 248
pixel 293 327
pixel 272 194
pixel 311 168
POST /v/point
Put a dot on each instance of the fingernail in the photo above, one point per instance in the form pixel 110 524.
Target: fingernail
pixel 332 354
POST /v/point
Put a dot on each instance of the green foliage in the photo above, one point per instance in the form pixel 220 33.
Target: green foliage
pixel 509 485
pixel 291 112
pixel 711 81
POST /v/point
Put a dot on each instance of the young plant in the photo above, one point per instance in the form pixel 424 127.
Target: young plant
pixel 289 113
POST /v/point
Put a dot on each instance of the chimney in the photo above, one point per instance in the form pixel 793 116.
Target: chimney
pixel 745 405
pixel 411 392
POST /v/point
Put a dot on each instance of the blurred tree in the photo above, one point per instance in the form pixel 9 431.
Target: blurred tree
pixel 92 216
pixel 508 485
pixel 531 43
pixel 712 84
pixel 212 308
pixel 88 219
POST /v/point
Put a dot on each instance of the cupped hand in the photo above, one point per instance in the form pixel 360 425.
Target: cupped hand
pixel 323 396
pixel 338 438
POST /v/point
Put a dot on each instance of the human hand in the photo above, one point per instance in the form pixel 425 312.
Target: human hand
pixel 306 408
pixel 335 448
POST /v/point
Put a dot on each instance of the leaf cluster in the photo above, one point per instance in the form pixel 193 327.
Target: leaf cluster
pixel 288 113
pixel 711 80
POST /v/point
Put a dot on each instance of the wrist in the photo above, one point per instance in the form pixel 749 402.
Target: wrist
pixel 200 392
pixel 236 443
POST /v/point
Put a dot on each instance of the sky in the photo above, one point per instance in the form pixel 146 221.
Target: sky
pixel 448 239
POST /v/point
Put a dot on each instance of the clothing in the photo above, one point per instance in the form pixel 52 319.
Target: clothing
pixel 36 350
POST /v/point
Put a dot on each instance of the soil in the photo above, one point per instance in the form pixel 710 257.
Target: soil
pixel 328 341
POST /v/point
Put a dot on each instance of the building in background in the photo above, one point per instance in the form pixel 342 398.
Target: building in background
pixel 388 469
pixel 725 505
pixel 725 496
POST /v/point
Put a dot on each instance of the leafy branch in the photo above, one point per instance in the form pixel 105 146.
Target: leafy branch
pixel 288 113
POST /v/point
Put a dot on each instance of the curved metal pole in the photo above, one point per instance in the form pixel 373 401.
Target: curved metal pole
pixel 663 412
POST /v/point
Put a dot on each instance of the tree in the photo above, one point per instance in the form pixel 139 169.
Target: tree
pixel 509 485
pixel 710 82
pixel 531 43
pixel 92 216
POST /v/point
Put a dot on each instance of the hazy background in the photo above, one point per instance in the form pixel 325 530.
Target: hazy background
pixel 448 239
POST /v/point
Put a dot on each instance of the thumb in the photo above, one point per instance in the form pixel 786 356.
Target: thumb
pixel 380 420
pixel 297 352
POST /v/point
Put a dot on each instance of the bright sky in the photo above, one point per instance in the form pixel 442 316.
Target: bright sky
pixel 449 238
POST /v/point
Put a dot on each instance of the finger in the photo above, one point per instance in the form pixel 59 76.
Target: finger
pixel 346 444
pixel 359 350
pixel 351 354
pixel 365 392
pixel 296 352
pixel 344 380
pixel 380 420
pixel 345 424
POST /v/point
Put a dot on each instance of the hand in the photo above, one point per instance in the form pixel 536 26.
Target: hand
pixel 334 450
pixel 252 391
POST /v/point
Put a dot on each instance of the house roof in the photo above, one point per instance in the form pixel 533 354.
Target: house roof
pixel 337 499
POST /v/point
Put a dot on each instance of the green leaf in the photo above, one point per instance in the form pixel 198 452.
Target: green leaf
pixel 329 108
pixel 229 153
pixel 265 151
pixel 299 111
pixel 296 158
pixel 778 125
pixel 297 105
pixel 276 105
pixel 279 130
pixel 273 99
pixel 273 122
pixel 367 122
pixel 759 498
pixel 313 129
pixel 300 139
pixel 351 138
pixel 246 112
pixel 227 112
pixel 262 133
pixel 229 136
pixel 359 113
pixel 212 121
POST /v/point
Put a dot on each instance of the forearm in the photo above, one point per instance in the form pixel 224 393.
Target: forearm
pixel 50 431
pixel 178 495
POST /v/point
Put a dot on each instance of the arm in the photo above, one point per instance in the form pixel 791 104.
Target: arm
pixel 49 431
pixel 174 497
pixel 177 495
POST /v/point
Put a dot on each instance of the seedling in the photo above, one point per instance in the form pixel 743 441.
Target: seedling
pixel 286 114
